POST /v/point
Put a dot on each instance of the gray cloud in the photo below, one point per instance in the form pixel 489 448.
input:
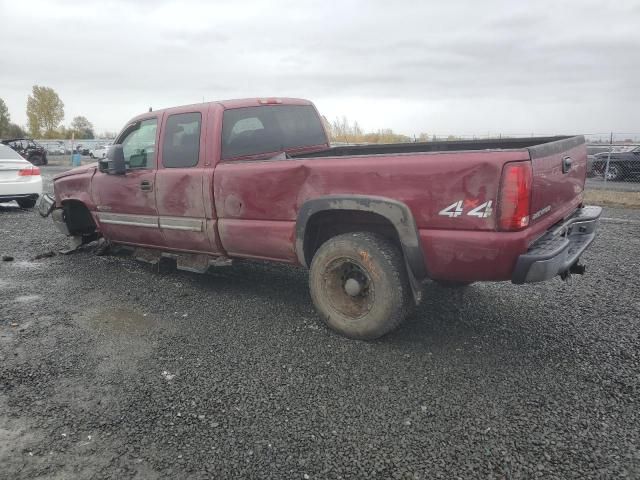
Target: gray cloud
pixel 456 67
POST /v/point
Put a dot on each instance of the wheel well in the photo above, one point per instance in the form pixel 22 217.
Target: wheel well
pixel 326 224
pixel 78 218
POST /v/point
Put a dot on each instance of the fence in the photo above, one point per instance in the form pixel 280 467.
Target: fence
pixel 57 147
pixel 613 162
pixel 613 170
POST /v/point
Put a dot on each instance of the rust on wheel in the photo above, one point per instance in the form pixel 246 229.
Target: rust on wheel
pixel 348 288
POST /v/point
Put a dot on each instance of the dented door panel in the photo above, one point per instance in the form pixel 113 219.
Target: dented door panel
pixel 183 195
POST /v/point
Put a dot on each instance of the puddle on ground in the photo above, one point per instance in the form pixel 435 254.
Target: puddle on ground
pixel 27 298
pixel 122 320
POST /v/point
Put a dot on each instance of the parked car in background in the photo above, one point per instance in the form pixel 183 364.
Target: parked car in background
pixel 622 165
pixel 201 185
pixel 82 150
pixel 19 179
pixel 99 151
pixel 28 149
pixel 54 148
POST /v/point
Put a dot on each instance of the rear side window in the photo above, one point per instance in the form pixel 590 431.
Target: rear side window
pixel 272 128
pixel 181 145
pixel 7 153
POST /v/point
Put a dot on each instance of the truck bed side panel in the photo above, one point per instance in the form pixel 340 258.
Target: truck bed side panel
pixel 251 196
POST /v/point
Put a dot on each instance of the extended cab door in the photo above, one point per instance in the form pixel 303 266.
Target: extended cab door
pixel 184 182
pixel 126 204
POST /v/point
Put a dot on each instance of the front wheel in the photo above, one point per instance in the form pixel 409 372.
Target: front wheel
pixel 359 285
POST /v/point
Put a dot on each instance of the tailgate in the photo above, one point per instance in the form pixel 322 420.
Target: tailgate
pixel 559 172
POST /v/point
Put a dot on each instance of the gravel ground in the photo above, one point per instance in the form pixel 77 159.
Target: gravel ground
pixel 109 369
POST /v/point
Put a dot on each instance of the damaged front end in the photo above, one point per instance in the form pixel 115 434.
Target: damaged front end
pixel 78 236
pixel 46 207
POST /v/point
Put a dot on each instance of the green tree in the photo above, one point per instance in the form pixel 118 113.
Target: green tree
pixel 45 111
pixel 82 127
pixel 5 119
pixel 14 131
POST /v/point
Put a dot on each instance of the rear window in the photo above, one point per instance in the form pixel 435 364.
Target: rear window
pixel 273 128
pixel 7 153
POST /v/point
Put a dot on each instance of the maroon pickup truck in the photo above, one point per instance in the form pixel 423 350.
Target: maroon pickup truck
pixel 203 184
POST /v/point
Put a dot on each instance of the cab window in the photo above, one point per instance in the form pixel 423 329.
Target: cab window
pixel 139 145
pixel 270 128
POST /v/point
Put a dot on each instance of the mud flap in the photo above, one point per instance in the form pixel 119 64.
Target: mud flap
pixel 416 286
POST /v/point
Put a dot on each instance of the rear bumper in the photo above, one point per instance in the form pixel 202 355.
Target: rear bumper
pixel 8 198
pixel 30 186
pixel 559 248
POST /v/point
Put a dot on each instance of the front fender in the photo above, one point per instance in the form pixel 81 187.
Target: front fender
pixel 74 186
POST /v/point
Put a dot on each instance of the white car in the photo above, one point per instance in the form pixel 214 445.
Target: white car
pixel 99 152
pixel 19 179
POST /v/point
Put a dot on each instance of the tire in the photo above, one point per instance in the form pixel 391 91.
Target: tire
pixel 91 155
pixel 615 172
pixel 27 202
pixel 452 284
pixel 374 266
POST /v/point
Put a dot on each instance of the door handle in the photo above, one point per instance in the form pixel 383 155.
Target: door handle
pixel 146 186
pixel 567 162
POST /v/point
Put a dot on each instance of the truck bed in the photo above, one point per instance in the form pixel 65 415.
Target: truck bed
pixel 426 147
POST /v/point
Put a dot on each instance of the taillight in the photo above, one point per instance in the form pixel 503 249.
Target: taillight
pixel 514 202
pixel 29 171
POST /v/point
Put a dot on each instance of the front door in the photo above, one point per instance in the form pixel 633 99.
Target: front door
pixel 126 204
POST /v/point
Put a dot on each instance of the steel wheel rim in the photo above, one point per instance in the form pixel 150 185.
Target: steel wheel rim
pixel 336 283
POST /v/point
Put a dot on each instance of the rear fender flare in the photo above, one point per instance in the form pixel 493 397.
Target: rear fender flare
pixel 397 213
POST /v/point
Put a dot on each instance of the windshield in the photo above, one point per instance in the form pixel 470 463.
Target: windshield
pixel 7 153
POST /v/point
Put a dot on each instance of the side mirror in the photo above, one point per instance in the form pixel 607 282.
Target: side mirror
pixel 115 157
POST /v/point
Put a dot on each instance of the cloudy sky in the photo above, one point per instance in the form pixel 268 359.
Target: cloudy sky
pixel 463 67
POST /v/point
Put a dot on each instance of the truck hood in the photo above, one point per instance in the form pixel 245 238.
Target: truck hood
pixel 77 171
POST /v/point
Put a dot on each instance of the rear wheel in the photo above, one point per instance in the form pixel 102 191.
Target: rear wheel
pixel 27 202
pixel 614 172
pixel 359 285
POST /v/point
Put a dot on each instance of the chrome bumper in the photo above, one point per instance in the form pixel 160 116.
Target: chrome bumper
pixel 559 249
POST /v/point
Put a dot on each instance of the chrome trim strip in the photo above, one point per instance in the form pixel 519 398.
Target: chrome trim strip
pixel 169 223
pixel 132 220
pixel 181 223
